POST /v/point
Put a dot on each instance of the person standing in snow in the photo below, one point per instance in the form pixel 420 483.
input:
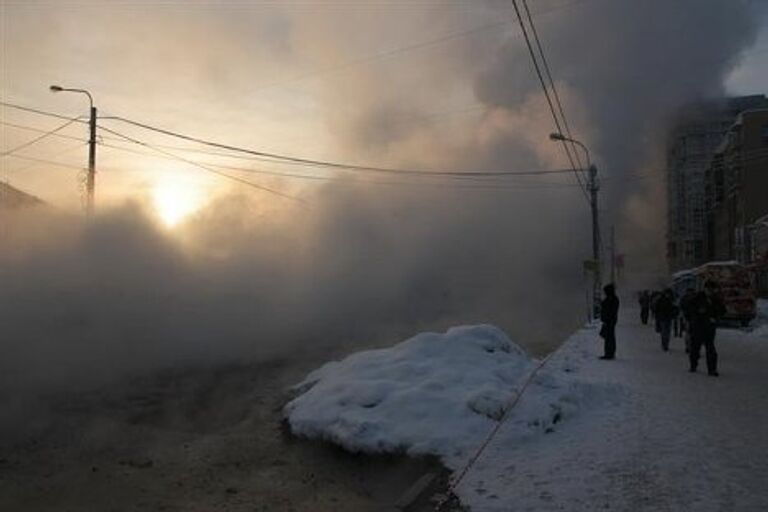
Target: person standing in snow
pixel 609 315
pixel 706 308
pixel 645 305
pixel 666 311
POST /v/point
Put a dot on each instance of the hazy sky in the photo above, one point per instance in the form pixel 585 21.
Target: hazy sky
pixel 273 76
pixel 751 76
pixel 335 80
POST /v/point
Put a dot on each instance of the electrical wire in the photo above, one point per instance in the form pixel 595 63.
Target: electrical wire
pixel 40 112
pixel 271 157
pixel 59 153
pixel 477 185
pixel 544 88
pixel 39 130
pixel 331 164
pixel 45 161
pixel 484 181
pixel 205 167
pixel 554 88
pixel 37 139
pixel 101 138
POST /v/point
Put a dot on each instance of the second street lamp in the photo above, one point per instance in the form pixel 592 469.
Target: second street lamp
pixel 594 187
pixel 90 184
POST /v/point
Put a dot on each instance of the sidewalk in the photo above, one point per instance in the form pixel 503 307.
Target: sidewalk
pixel 668 441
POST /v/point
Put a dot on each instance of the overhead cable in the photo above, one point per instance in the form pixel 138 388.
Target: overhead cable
pixel 545 89
pixel 204 167
pixel 37 139
pixel 331 164
pixel 552 86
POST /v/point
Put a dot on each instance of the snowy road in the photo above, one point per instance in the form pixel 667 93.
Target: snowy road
pixel 671 441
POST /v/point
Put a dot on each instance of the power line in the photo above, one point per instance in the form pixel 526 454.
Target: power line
pixel 271 157
pixel 242 169
pixel 45 161
pixel 544 88
pixel 331 164
pixel 58 153
pixel 204 167
pixel 479 184
pixel 37 139
pixel 285 159
pixel 39 130
pixel 40 112
pixel 486 181
pixel 553 87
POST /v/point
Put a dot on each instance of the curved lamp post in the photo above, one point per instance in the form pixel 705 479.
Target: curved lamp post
pixel 593 189
pixel 90 186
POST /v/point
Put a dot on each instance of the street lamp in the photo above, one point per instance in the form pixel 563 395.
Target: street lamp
pixel 563 138
pixel 593 189
pixel 91 180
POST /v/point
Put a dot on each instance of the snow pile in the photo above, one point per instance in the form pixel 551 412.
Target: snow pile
pixel 559 390
pixel 436 394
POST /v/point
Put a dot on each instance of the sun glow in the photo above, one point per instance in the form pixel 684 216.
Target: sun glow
pixel 174 200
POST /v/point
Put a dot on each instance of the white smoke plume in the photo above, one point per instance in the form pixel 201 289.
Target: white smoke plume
pixel 365 264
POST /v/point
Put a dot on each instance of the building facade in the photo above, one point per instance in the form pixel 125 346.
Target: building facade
pixel 737 190
pixel 693 143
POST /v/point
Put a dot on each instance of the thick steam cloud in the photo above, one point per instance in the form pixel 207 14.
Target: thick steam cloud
pixel 365 264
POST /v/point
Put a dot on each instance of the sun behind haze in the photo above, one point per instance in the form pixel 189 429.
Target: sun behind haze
pixel 175 197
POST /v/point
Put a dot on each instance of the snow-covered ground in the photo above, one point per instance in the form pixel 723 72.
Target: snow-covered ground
pixel 635 434
pixel 437 394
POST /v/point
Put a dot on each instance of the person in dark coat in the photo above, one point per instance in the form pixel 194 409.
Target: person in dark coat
pixel 706 309
pixel 666 311
pixel 609 315
pixel 654 299
pixel 677 321
pixel 645 306
pixel 686 302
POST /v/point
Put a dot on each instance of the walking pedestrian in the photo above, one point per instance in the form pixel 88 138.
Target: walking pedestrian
pixel 677 321
pixel 645 304
pixel 706 309
pixel 655 295
pixel 686 302
pixel 665 314
pixel 609 315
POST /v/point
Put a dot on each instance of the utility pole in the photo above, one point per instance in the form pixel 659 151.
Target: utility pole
pixel 594 187
pixel 90 183
pixel 613 254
